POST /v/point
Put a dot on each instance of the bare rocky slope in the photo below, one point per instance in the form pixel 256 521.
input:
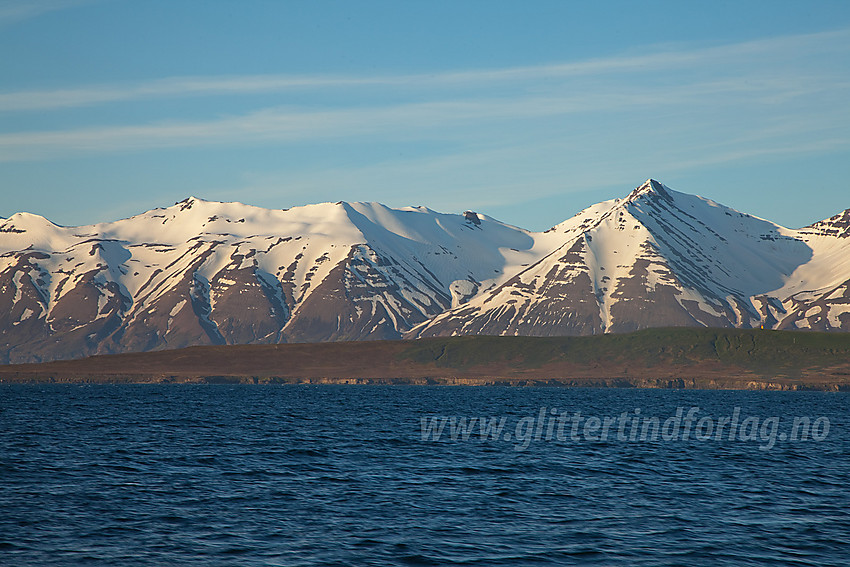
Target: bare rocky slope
pixel 203 272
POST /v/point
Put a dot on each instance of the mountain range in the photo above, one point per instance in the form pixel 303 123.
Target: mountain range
pixel 203 272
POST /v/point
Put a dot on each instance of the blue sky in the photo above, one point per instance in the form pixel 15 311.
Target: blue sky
pixel 527 111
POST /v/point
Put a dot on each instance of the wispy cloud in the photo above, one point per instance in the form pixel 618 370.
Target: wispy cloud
pixel 671 59
pixel 500 175
pixel 14 11
pixel 461 119
pixel 489 133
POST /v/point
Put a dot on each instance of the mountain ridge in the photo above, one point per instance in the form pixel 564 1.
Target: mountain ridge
pixel 205 272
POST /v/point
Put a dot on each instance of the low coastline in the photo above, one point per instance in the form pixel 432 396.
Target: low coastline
pixel 648 383
pixel 680 358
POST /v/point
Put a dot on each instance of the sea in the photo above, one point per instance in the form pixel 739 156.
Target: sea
pixel 325 475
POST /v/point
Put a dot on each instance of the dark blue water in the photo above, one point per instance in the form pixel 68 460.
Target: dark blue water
pixel 309 475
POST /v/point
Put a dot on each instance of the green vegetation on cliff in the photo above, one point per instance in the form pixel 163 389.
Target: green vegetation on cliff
pixel 753 349
pixel 671 357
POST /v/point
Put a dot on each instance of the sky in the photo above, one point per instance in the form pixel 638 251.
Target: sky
pixel 525 111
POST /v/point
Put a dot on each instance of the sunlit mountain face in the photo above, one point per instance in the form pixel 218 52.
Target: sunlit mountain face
pixel 203 272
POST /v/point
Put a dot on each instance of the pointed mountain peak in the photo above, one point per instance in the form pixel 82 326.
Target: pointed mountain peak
pixel 649 188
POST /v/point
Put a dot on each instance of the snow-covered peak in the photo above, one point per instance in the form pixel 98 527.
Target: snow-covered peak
pixel 35 230
pixel 208 271
pixel 650 187
pixel 25 222
pixel 642 197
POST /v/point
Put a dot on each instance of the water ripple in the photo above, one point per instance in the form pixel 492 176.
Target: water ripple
pixel 307 475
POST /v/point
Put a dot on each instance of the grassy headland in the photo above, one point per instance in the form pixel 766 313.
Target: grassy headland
pixel 667 358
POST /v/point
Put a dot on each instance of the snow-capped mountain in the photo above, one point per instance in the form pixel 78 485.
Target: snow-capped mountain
pixel 664 258
pixel 204 272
